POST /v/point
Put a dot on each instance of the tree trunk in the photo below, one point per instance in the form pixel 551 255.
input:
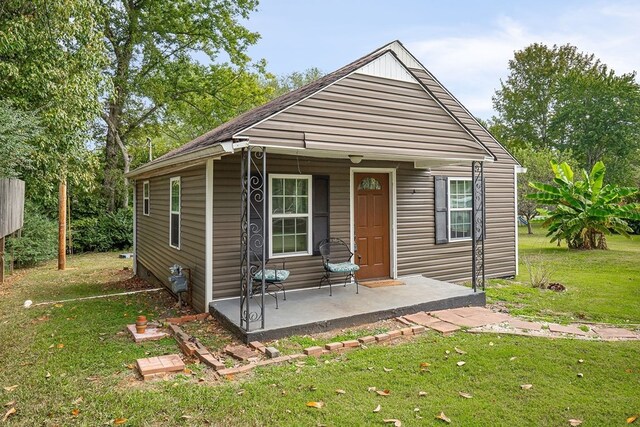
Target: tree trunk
pixel 62 224
pixel 111 168
pixel 529 229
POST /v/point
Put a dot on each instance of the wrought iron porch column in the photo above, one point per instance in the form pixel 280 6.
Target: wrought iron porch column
pixel 477 226
pixel 252 232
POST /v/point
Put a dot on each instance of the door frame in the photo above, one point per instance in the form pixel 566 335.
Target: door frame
pixel 393 223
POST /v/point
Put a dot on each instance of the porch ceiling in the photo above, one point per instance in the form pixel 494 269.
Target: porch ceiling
pixel 313 310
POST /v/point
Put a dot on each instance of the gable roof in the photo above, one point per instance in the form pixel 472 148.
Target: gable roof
pixel 228 130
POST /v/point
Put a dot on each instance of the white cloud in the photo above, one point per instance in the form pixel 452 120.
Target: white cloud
pixel 471 66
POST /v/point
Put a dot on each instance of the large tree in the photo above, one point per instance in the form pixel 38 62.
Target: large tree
pixel 168 75
pixel 17 129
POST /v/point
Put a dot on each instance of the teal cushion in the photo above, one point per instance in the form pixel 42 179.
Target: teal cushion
pixel 342 267
pixel 270 275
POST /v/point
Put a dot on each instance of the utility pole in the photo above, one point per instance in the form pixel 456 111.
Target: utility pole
pixel 62 223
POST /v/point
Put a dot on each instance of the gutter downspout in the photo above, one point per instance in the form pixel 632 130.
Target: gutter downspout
pixel 208 236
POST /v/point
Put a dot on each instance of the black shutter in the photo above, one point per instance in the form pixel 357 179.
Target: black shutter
pixel 320 211
pixel 442 218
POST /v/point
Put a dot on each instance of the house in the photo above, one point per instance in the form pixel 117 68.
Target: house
pixel 377 153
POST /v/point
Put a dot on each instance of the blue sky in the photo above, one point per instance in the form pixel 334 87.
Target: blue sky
pixel 466 44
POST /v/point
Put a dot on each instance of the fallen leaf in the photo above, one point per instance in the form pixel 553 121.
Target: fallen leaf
pixel 422 393
pixel 383 392
pixel 387 369
pixel 188 371
pixel 416 409
pixel 48 375
pixel 8 414
pixel 574 422
pixel 580 375
pixel 58 305
pixel 186 417
pixel 11 388
pixel 130 366
pixel 77 401
pixel 13 402
pixel 459 351
pixel 491 343
pixel 60 345
pixel 229 377
pixel 396 423
pixel 377 409
pixel 460 363
pixel 51 346
pixel 75 412
pixel 447 352
pixel 317 405
pixel 526 386
pixel 371 389
pixel 119 421
pixel 443 417
pixel 92 379
pixel 465 395
pixel 512 358
pixel 425 364
pixel 632 418
pixel 340 391
pixel 240 392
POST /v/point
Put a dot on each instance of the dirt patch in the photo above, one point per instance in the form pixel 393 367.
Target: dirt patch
pixel 558 287
pixel 127 282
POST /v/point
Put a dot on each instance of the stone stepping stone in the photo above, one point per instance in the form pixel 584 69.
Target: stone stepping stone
pixel 522 324
pixel 616 333
pixel 151 334
pixel 570 329
pixel 241 352
pixel 161 364
pixel 470 311
pixel 421 318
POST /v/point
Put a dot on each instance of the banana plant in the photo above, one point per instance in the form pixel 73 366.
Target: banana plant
pixel 585 210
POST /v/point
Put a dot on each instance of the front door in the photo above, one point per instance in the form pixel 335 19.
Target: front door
pixel 371 214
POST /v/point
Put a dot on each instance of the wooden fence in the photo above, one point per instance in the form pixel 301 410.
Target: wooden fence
pixel 11 212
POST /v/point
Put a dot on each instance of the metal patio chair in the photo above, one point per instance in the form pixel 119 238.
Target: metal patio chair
pixel 337 258
pixel 274 279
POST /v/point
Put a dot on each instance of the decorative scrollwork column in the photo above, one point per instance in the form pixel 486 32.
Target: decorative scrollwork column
pixel 252 232
pixel 478 226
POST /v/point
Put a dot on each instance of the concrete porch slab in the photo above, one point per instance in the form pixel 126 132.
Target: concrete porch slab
pixel 313 310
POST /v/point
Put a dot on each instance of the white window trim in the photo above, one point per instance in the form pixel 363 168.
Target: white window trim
pixel 450 209
pixel 146 198
pixel 308 215
pixel 179 212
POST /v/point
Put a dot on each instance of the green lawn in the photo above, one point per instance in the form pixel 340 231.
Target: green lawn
pixel 602 286
pixel 93 363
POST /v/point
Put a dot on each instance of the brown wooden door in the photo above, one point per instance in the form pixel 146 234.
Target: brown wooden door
pixel 371 213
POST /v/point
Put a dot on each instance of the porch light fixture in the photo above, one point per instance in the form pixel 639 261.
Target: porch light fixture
pixel 355 158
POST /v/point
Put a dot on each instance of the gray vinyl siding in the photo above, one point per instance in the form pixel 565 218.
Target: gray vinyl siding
pixel 368 111
pixel 417 251
pixel 153 250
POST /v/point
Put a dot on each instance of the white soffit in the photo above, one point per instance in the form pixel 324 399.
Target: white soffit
pixel 388 67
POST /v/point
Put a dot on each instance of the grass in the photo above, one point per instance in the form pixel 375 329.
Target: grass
pixel 602 286
pixel 95 360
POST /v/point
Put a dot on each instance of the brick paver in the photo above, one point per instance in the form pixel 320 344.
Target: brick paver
pixel 241 352
pixel 444 327
pixel 421 318
pixel 154 365
pixel 570 329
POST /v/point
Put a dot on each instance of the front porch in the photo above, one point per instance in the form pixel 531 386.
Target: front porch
pixel 313 310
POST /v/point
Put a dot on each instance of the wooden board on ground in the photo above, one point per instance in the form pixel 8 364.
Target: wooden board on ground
pixel 381 283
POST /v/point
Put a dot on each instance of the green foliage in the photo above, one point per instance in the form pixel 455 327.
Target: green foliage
pixel 38 240
pixel 17 128
pixel 104 232
pixel 287 83
pixel 561 99
pixel 585 210
pixel 536 161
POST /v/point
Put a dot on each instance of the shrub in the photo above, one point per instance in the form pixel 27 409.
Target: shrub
pixel 38 240
pixel 539 274
pixel 108 231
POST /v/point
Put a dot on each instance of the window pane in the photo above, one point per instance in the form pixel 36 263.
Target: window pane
pixel 145 189
pixel 301 243
pixel 289 226
pixel 277 187
pixel 277 205
pixel 175 196
pixel 276 246
pixel 302 187
pixel 301 225
pixel 290 187
pixel 460 224
pixel 301 205
pixel 175 230
pixel 289 204
pixel 369 184
pixel 289 244
pixel 277 229
pixel 146 206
